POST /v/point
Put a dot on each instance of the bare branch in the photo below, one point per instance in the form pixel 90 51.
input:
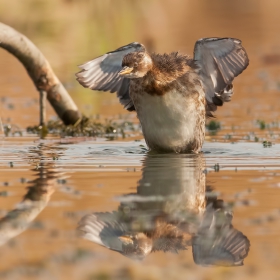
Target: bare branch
pixel 40 72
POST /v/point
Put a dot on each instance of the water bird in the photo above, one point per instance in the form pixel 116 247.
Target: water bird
pixel 172 94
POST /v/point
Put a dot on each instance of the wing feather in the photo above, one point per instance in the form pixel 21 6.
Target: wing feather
pixel 218 61
pixel 217 242
pixel 101 73
pixel 103 229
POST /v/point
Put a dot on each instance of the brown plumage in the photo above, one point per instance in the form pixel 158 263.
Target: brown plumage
pixel 171 93
pixel 168 237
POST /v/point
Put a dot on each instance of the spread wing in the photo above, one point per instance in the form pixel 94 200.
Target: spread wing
pixel 217 242
pixel 218 61
pixel 101 73
pixel 103 229
pixel 226 247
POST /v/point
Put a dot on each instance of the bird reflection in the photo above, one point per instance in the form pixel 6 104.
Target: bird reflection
pixel 43 164
pixel 171 211
pixel 216 241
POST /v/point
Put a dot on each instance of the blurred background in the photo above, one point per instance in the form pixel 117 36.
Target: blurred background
pixel 70 32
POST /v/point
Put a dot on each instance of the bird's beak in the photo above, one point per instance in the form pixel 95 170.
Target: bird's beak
pixel 126 239
pixel 125 71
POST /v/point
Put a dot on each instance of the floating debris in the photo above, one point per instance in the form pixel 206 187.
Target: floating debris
pixel 61 181
pixel 4 193
pixel 11 130
pixel 217 167
pixel 22 180
pixel 267 144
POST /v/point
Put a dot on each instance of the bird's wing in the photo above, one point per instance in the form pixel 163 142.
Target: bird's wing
pixel 101 73
pixel 217 242
pixel 218 61
pixel 225 247
pixel 103 229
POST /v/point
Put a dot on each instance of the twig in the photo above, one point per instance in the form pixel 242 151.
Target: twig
pixel 43 95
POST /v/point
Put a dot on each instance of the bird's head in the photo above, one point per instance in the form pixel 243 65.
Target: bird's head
pixel 136 65
pixel 136 246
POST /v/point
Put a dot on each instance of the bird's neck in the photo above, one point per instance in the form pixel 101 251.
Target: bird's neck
pixel 159 82
pixel 167 68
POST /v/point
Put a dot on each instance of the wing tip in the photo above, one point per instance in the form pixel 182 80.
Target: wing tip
pixel 213 39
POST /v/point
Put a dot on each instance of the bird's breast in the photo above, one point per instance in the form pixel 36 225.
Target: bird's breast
pixel 169 121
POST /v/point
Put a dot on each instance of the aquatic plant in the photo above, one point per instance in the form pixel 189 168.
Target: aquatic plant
pixel 267 144
pixel 88 127
pixel 213 127
pixel 261 124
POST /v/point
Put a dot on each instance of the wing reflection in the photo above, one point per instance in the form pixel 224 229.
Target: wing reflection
pixel 171 211
pixel 217 242
pixel 43 164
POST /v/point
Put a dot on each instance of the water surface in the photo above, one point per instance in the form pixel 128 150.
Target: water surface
pixel 206 215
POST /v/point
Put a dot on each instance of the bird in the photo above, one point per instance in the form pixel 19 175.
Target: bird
pixel 172 94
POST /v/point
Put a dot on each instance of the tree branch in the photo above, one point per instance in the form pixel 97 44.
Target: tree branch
pixel 40 72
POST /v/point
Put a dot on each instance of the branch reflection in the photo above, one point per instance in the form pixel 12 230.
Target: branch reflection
pixel 171 211
pixel 43 164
